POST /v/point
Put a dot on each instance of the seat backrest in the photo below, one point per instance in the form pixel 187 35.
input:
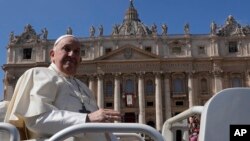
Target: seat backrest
pixel 228 107
pixel 8 132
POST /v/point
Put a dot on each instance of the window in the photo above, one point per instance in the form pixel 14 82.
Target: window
pixel 148 49
pixel 179 103
pixel 108 50
pixel 232 47
pixel 149 87
pixel 178 85
pixel 83 52
pixel 150 104
pixel 109 104
pixel 176 50
pixel 236 82
pixel 204 87
pixel 201 50
pixel 109 89
pixel 129 87
pixel 27 53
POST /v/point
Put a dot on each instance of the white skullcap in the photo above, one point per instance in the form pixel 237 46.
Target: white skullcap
pixel 62 37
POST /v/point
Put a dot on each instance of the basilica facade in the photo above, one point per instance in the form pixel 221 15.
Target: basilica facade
pixel 144 72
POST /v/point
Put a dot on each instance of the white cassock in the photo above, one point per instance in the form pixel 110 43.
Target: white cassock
pixel 46 101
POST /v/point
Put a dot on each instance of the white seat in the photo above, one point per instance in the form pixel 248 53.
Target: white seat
pixel 229 106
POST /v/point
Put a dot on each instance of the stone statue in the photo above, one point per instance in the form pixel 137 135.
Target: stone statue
pixel 12 36
pixel 154 29
pixel 115 29
pixel 27 28
pixel 100 30
pixel 45 33
pixel 213 28
pixel 69 31
pixel 164 29
pixel 92 31
pixel 186 28
pixel 230 20
pixel 140 30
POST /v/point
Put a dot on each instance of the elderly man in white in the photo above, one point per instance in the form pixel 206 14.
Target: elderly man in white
pixel 47 100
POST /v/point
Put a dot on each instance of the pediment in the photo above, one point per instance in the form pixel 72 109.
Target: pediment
pixel 233 28
pixel 128 53
pixel 28 36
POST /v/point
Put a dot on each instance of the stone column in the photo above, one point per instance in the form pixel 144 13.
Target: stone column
pixel 158 102
pixel 215 49
pixel 190 90
pixel 141 99
pixel 92 85
pixel 247 81
pixel 100 97
pixel 217 81
pixel 117 94
pixel 226 80
pixel 101 50
pixel 157 51
pixel 167 96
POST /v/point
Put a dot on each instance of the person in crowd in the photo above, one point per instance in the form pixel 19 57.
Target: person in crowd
pixel 193 123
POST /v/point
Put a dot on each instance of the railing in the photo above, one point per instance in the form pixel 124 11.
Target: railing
pixel 110 127
pixel 166 130
pixel 12 132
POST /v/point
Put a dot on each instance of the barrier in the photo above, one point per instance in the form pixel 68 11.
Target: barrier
pixel 111 127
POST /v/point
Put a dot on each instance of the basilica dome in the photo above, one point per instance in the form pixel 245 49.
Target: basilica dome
pixel 131 25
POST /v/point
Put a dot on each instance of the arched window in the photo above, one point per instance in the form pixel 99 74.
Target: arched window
pixel 236 82
pixel 204 87
pixel 149 87
pixel 109 89
pixel 129 87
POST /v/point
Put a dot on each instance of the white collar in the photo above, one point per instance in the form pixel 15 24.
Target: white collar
pixel 54 67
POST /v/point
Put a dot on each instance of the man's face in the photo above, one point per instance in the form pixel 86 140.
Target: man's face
pixel 66 55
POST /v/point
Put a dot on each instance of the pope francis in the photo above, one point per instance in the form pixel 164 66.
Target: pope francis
pixel 47 100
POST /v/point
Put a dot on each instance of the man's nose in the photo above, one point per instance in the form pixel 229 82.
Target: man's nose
pixel 71 53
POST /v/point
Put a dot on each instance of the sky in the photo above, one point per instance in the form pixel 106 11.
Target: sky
pixel 80 15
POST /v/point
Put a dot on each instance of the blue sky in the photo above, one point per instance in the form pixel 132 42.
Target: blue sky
pixel 58 15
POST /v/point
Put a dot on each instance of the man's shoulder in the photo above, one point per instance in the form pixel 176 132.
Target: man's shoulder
pixel 40 70
pixel 35 69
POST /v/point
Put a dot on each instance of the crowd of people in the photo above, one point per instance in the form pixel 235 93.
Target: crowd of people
pixel 194 127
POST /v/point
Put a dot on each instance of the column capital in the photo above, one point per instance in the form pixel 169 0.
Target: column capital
pixel 167 75
pixel 100 75
pixel 218 73
pixel 158 73
pixel 140 74
pixel 91 77
pixel 191 74
pixel 117 75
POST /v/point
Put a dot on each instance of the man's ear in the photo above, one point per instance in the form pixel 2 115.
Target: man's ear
pixel 51 54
